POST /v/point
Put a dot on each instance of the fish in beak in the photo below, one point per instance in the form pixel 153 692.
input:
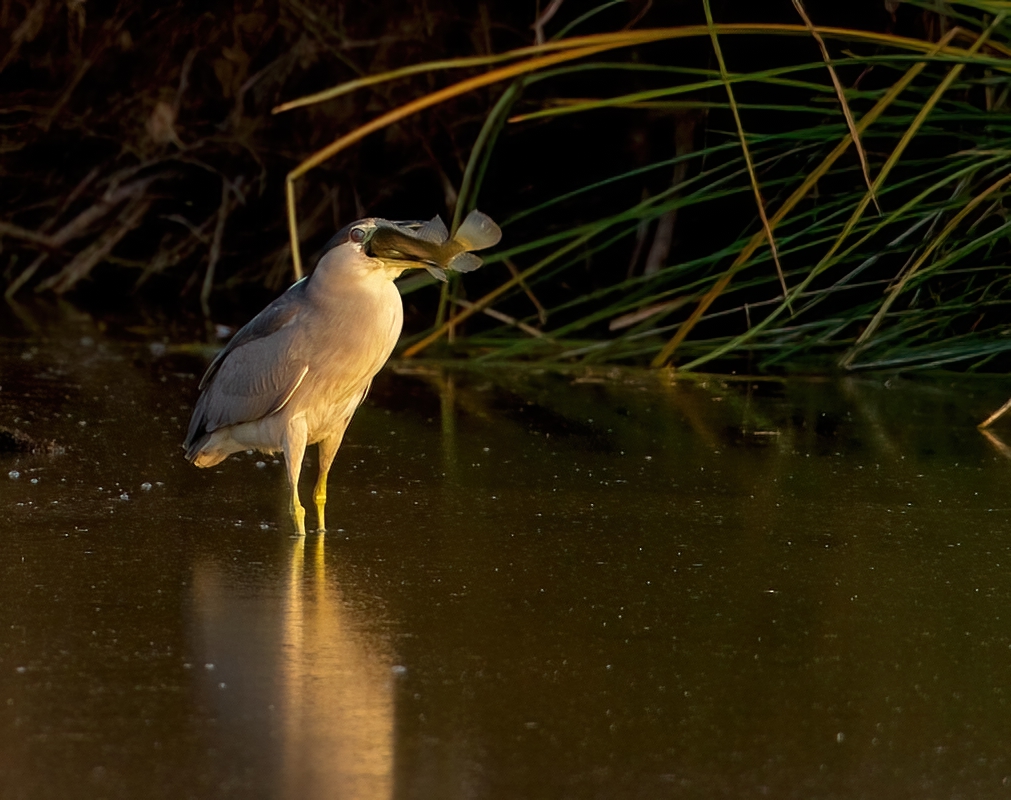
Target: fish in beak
pixel 428 244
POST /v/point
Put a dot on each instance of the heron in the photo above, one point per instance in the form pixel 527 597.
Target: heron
pixel 296 373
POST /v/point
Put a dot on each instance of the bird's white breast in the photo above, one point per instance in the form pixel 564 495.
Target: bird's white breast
pixel 352 335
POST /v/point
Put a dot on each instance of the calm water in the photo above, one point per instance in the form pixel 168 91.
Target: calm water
pixel 537 586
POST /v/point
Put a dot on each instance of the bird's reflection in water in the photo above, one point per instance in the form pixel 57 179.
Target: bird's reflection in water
pixel 338 726
pixel 293 645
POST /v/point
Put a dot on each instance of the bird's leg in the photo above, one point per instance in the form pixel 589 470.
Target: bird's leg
pixel 327 451
pixel 294 452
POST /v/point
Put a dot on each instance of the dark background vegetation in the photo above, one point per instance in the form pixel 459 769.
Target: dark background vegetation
pixel 138 151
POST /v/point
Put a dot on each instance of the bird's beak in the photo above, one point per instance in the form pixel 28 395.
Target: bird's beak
pixel 393 241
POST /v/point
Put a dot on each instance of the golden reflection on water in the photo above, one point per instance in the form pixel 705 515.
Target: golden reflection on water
pixel 338 726
pixel 331 695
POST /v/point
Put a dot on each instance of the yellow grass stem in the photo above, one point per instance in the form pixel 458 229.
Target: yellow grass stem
pixel 755 188
pixel 289 202
pixel 996 415
pixel 841 94
pixel 616 40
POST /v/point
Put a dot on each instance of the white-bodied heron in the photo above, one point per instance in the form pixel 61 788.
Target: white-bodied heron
pixel 295 374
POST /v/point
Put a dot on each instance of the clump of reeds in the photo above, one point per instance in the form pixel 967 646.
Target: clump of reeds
pixel 840 205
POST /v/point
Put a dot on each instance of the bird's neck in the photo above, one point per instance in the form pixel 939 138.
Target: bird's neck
pixel 341 280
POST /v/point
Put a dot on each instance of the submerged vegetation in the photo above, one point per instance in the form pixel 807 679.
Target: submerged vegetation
pixel 707 190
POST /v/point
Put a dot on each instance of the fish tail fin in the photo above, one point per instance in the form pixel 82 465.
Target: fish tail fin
pixel 477 232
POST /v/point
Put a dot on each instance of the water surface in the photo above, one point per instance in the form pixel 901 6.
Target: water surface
pixel 535 585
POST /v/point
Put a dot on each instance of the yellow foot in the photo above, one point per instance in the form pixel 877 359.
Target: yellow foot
pixel 298 517
pixel 321 513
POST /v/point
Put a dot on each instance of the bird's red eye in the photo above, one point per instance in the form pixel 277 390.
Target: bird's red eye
pixel 357 235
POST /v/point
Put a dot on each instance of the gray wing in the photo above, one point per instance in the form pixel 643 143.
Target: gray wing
pixel 254 375
pixel 274 317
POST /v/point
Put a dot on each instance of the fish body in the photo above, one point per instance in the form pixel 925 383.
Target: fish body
pixel 430 243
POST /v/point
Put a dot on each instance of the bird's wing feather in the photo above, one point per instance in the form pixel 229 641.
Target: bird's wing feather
pixel 253 381
pixel 274 317
pixel 254 375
